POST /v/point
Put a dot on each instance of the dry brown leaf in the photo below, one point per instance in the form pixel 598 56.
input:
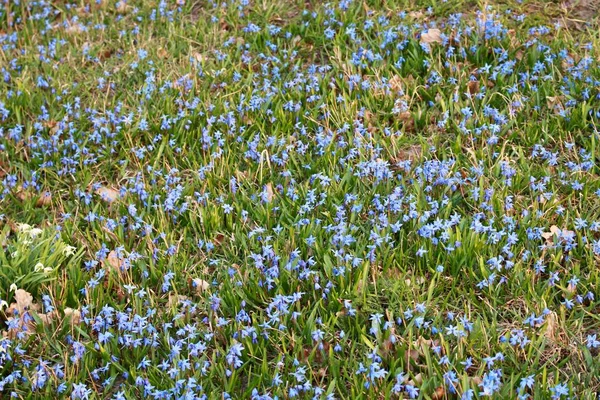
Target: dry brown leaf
pixel 554 102
pixel 407 120
pixel 115 262
pixel 52 125
pixel 410 153
pixel 198 57
pixel 21 194
pixel 44 200
pixel 549 236
pixel 46 318
pixel 396 84
pixel 162 53
pixel 416 14
pixel 121 7
pixel 3 169
pixel 105 54
pixel 551 325
pixel 23 300
pixel 417 380
pixel 74 29
pixel 269 189
pixel 107 194
pixel 473 87
pixel 73 315
pixel 439 393
pixel 413 354
pixel 432 35
pixel 174 300
pixel 219 239
pixel 519 55
pixel 200 285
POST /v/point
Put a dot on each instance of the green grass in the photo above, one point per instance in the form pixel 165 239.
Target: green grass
pixel 326 225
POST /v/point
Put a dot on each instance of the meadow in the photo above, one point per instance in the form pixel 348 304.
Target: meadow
pixel 256 199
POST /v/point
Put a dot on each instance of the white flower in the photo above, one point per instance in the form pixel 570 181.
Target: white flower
pixel 13 287
pixel 38 267
pixel 69 250
pixel 33 232
pixel 24 227
pixel 3 304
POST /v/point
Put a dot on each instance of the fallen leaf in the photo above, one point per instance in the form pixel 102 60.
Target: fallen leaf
pixel 73 315
pixel 46 318
pixel 198 57
pixel 52 126
pixel 413 354
pixel 107 194
pixel 439 393
pixel 551 325
pixel 410 153
pixel 174 300
pixel 200 285
pixel 269 189
pixel 424 344
pixel 23 300
pixel 74 29
pixel 219 239
pixel 417 380
pixel 3 169
pixel 473 87
pixel 44 200
pixel 162 53
pixel 21 194
pixel 549 236
pixel 121 7
pixel 116 262
pixel 519 55
pixel 396 83
pixel 432 35
pixel 107 53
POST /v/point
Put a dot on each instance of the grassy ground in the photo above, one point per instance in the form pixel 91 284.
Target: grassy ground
pixel 288 199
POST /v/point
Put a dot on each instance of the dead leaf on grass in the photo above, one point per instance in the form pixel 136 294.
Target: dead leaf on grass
pixel 200 285
pixel 23 300
pixel 115 262
pixel 44 200
pixel 269 192
pixel 73 315
pixel 432 35
pixel 107 194
pixel 473 87
pixel 439 393
pixel 551 326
